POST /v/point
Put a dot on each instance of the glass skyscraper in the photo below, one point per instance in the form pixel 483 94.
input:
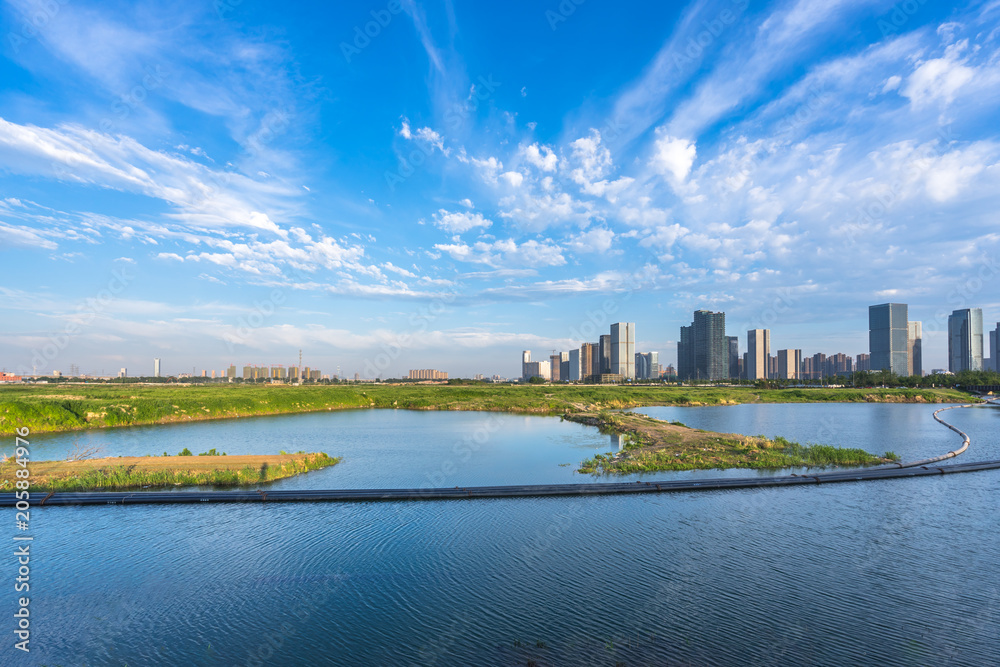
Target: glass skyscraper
pixel 888 337
pixel 965 340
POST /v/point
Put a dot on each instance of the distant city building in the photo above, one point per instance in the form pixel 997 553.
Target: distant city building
pixel 213 374
pixel 204 373
pixel 293 374
pixel 819 370
pixel 965 340
pixel 623 349
pixel 888 334
pixel 525 360
pixel 430 374
pixel 575 366
pixel 758 353
pixel 540 369
pixel 994 353
pixel 555 367
pixel 231 372
pixel 863 362
pixel 315 374
pixel 703 350
pixel 590 360
pixel 839 364
pixel 734 356
pixel 914 349
pixel 156 367
pixel 10 377
pixel 604 342
pixel 123 373
pixel 647 365
pixel 564 366
pixel 789 364
pixel 685 353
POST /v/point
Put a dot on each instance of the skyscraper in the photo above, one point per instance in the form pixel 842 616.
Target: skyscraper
pixel 555 362
pixel 887 337
pixel 623 349
pixel 994 342
pixel 605 353
pixel 575 365
pixel 703 351
pixel 914 349
pixel 156 367
pixel 525 360
pixel 685 353
pixel 789 363
pixel 647 365
pixel 590 360
pixel 965 340
pixel 758 353
pixel 734 356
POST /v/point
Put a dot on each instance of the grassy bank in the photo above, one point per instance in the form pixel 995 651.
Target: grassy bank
pixel 138 472
pixel 652 445
pixel 65 407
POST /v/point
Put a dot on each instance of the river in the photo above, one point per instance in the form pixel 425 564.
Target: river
pixel 896 572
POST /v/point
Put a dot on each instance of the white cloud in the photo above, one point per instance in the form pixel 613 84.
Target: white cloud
pixel 938 79
pixel 513 178
pixel 594 240
pixel 460 222
pixel 506 253
pixel 672 157
pixel 542 157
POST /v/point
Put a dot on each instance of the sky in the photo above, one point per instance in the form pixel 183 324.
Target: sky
pixel 402 184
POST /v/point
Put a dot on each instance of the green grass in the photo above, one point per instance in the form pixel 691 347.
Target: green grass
pixel 73 406
pixel 726 452
pixel 122 477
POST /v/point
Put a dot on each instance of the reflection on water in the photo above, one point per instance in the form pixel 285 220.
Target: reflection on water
pixel 895 572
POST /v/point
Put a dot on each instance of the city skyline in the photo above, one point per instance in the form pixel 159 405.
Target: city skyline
pixel 211 182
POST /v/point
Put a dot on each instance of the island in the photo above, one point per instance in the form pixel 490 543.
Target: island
pixel 123 473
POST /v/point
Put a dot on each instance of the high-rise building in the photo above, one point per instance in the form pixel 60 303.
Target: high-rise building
pixel 156 367
pixel 123 373
pixel 590 360
pixel 685 353
pixel 819 368
pixel 914 349
pixel 734 356
pixel 419 374
pixel 789 364
pixel 647 365
pixel 703 351
pixel 605 353
pixel 537 369
pixel 525 360
pixel 623 349
pixel 839 364
pixel 564 366
pixel 575 365
pixel 555 364
pixel 965 340
pixel 863 362
pixel 758 353
pixel 887 337
pixel 994 353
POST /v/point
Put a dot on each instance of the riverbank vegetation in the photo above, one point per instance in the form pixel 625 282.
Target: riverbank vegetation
pixel 140 472
pixel 48 408
pixel 651 445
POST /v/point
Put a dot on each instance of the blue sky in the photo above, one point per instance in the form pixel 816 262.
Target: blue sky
pixel 231 182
